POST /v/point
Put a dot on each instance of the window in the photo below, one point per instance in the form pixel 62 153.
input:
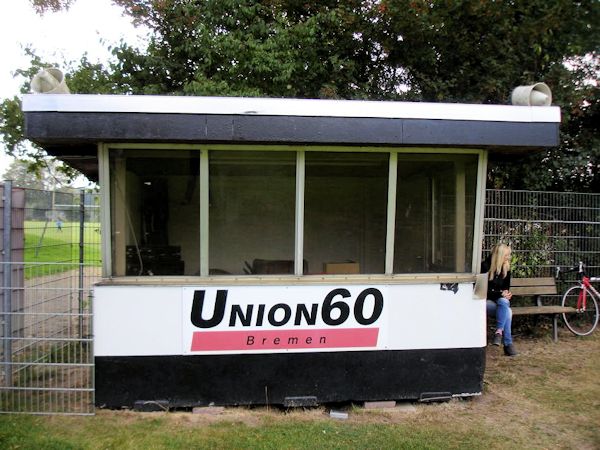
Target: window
pixel 155 212
pixel 345 212
pixel 435 213
pixel 249 213
pixel 252 212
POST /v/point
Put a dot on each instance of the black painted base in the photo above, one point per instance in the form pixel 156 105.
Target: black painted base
pixel 256 379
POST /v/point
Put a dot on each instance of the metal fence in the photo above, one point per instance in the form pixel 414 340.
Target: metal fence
pixel 51 258
pixel 546 230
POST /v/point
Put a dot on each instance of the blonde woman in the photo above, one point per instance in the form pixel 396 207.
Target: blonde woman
pixel 499 295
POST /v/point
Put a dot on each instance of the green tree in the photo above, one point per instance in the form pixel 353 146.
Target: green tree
pixel 243 47
pixel 478 51
pixel 42 6
pixel 464 50
pixel 50 177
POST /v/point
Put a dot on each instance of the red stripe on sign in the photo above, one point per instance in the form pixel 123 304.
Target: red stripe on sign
pixel 284 339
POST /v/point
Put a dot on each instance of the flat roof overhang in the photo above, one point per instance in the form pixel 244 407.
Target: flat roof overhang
pixel 70 126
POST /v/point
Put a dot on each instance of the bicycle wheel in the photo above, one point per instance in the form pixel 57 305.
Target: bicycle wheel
pixel 583 322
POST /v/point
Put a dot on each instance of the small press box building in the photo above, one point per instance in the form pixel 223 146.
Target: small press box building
pixel 286 251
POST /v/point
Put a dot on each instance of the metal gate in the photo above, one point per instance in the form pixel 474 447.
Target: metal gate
pixel 51 259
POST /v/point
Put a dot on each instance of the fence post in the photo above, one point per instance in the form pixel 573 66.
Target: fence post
pixel 7 282
pixel 81 257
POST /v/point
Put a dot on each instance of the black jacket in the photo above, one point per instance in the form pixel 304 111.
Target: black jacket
pixel 497 284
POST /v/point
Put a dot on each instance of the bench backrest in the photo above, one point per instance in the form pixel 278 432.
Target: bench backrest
pixel 533 286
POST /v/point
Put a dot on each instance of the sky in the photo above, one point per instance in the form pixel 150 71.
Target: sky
pixel 62 36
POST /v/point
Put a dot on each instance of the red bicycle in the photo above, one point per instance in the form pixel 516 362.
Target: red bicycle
pixel 583 300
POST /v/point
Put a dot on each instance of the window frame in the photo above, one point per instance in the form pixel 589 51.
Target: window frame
pixel 104 150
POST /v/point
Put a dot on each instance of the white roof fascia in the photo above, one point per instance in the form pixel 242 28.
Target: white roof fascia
pixel 250 106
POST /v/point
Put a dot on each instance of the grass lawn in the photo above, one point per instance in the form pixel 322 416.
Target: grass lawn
pixel 44 242
pixel 547 397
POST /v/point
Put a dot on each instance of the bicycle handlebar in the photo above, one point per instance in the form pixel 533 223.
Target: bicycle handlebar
pixel 579 268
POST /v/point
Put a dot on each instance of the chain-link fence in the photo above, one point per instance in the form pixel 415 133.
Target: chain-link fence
pixel 51 249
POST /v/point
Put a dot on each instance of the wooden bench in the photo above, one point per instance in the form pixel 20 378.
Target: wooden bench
pixel 535 288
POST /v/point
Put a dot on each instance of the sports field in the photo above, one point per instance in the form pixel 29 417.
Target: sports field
pixel 46 242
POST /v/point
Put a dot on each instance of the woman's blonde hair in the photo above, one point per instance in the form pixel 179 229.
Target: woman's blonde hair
pixel 498 265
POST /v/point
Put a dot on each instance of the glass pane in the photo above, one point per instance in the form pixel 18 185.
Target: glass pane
pixel 435 213
pixel 155 209
pixel 345 212
pixel 252 212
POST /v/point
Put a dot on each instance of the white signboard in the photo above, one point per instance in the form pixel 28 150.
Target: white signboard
pixel 188 320
pixel 284 318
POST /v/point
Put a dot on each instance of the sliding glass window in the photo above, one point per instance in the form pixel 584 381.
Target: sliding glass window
pixel 155 210
pixel 345 212
pixel 251 212
pixel 435 213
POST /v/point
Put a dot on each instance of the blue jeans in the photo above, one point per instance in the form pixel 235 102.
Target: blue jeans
pixel 501 309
